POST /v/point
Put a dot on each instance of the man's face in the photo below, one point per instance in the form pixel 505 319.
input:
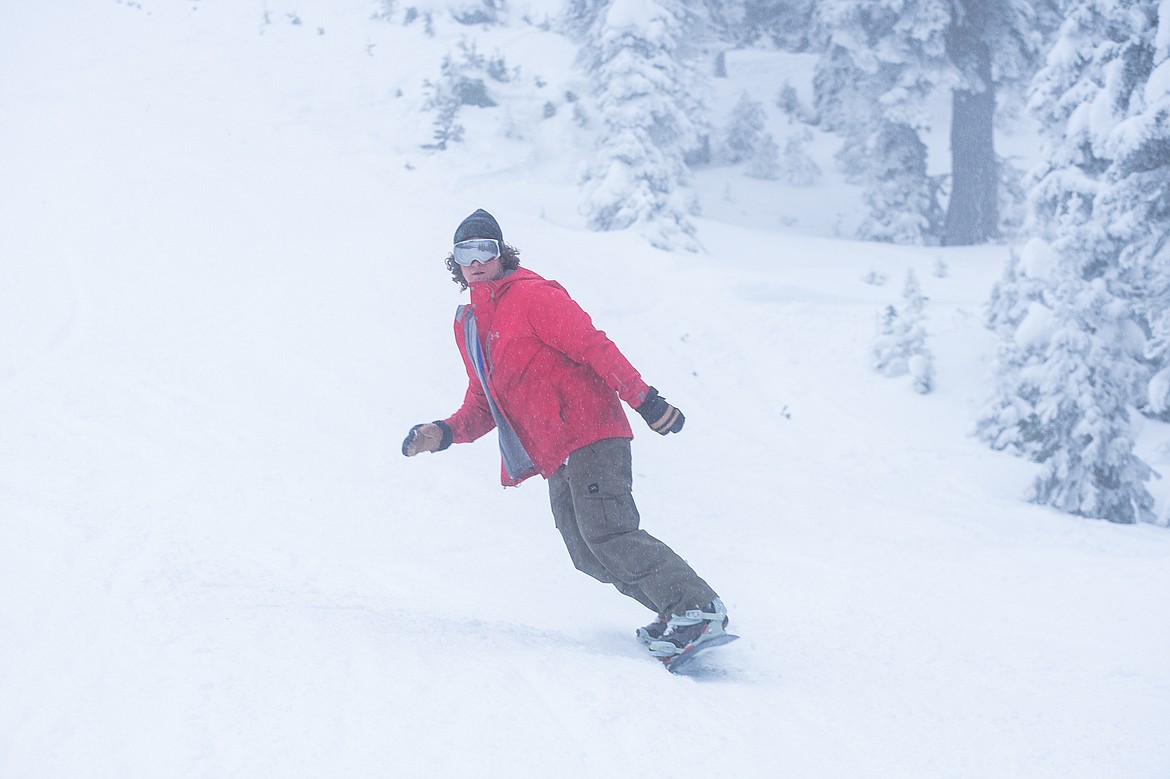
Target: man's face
pixel 488 270
pixel 482 271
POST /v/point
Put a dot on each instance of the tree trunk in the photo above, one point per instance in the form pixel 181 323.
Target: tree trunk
pixel 973 211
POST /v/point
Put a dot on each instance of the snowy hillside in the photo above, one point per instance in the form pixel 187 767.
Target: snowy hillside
pixel 222 305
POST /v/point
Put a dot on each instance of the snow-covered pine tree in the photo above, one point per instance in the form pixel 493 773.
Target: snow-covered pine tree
pixel 744 132
pixel 886 355
pixel 920 362
pixel 648 91
pixel 1131 127
pixel 728 20
pixel 796 167
pixel 1085 389
pixel 383 10
pixel 902 200
pixel 462 83
pixel 1073 397
pixel 900 345
pixel 1017 314
pixel 785 22
pixel 476 11
pixel 765 161
pixel 842 102
pixel 1158 350
pixel 745 139
pixel 880 59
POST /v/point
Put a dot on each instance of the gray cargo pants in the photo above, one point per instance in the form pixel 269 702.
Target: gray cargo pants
pixel 596 515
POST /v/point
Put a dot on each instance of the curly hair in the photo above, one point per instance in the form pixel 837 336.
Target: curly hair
pixel 509 260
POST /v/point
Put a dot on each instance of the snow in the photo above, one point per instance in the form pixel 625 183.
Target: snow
pixel 1158 86
pixel 648 19
pixel 222 305
pixel 1162 38
pixel 1038 260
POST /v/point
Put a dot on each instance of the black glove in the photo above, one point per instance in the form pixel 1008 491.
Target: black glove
pixel 662 417
pixel 427 437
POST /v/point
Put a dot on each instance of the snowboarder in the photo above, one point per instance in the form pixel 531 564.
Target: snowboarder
pixel 549 382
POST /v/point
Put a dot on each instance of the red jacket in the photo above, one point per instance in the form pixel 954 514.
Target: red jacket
pixel 553 378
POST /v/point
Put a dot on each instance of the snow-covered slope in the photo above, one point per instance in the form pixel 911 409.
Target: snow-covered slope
pixel 222 304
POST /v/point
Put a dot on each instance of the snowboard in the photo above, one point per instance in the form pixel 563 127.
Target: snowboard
pixel 676 663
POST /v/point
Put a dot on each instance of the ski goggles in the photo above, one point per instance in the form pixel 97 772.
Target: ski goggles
pixel 476 250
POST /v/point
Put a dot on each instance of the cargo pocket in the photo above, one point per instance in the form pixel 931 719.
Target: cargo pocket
pixel 610 507
pixel 620 513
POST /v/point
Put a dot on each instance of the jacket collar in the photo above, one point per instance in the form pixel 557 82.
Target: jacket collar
pixel 482 291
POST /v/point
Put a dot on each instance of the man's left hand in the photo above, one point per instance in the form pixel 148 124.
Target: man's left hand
pixel 662 417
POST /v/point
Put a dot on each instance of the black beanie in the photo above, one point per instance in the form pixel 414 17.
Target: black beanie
pixel 481 224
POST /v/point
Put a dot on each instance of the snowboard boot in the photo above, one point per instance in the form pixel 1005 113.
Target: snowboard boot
pixel 653 631
pixel 685 632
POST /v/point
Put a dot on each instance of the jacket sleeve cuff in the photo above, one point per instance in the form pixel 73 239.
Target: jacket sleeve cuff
pixel 641 395
pixel 448 436
pixel 646 397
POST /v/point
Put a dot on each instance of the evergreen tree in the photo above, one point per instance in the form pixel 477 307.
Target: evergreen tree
pixel 786 22
pixel 1017 313
pixel 1131 116
pixel 842 106
pixel 880 60
pixel 745 140
pixel 462 83
pixel 728 20
pixel 765 160
pixel 646 89
pixel 477 11
pixel 1084 387
pixel 1097 214
pixel 742 23
pixel 886 355
pixel 796 167
pixel 900 345
pixel 902 198
pixel 744 132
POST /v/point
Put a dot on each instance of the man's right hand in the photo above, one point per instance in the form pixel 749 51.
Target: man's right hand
pixel 427 437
